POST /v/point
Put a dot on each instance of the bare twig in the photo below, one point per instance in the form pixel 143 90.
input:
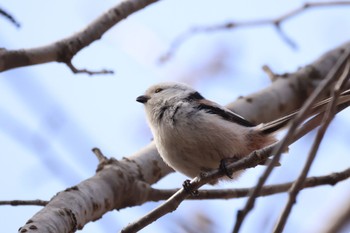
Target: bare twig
pixel 297 186
pixel 100 156
pixel 330 179
pixel 9 17
pixel 22 202
pixel 325 85
pixel 276 22
pixel 89 72
pixel 65 49
pixel 284 36
pixel 270 73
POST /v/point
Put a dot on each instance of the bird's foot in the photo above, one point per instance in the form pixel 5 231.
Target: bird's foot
pixel 188 188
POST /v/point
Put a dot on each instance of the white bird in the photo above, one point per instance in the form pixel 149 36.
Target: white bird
pixel 193 134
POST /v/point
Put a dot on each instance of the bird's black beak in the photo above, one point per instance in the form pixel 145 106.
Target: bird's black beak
pixel 142 99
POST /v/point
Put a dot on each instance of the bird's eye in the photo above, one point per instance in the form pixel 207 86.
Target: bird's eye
pixel 158 90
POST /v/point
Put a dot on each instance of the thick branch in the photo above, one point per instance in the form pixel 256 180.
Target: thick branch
pixel 65 49
pixel 72 208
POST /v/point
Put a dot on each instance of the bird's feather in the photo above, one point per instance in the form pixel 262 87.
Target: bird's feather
pixel 226 114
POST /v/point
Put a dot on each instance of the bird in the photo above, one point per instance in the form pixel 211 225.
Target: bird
pixel 193 134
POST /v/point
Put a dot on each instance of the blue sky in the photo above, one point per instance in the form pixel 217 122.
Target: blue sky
pixel 50 118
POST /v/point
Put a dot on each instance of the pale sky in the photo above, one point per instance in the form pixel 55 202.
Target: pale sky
pixel 50 118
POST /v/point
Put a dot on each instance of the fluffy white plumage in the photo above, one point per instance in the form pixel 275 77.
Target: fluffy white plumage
pixel 193 134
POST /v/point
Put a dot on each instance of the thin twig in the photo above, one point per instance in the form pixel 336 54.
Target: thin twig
pixel 100 156
pixel 284 36
pixel 85 71
pixel 331 77
pixel 276 22
pixel 270 73
pixel 298 184
pixel 22 202
pixel 9 17
pixel 267 190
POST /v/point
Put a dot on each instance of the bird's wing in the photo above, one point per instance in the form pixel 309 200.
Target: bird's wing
pixel 224 113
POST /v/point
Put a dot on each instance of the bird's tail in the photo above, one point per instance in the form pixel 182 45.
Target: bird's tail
pixel 273 126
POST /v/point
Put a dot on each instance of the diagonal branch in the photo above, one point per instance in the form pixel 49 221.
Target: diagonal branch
pixel 9 17
pixel 276 22
pixel 331 78
pixel 252 160
pixel 298 184
pixel 87 201
pixel 65 49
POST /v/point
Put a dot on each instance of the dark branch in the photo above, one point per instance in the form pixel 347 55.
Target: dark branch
pixel 9 17
pixel 22 202
pixel 328 117
pixel 324 86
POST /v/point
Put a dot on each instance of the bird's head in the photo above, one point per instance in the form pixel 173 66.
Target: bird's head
pixel 168 93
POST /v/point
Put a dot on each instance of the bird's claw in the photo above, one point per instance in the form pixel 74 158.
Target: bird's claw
pixel 187 186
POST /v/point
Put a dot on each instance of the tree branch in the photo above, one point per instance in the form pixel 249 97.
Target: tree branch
pixel 72 208
pixel 276 22
pixel 267 190
pixel 328 117
pixel 106 190
pixel 65 49
pixel 210 194
pixel 22 202
pixel 9 17
pixel 85 71
pixel 324 86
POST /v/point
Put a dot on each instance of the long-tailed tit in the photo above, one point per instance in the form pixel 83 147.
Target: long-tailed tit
pixel 193 134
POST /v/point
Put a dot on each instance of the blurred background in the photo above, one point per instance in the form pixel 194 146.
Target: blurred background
pixel 50 118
